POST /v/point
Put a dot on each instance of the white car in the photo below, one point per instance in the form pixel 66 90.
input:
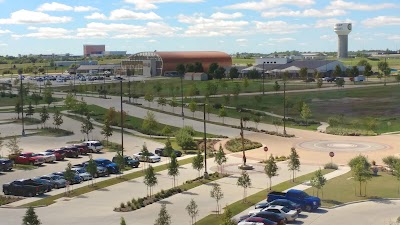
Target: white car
pixel 289 215
pixel 151 157
pixel 249 223
pixel 47 156
pixel 82 173
pixel 94 146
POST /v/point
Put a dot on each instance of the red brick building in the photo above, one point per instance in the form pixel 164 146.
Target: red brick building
pixel 93 49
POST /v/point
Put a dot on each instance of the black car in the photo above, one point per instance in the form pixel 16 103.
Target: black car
pixel 280 220
pixel 162 152
pixel 330 79
pixel 48 184
pixel 6 164
pixel 129 161
pixel 310 79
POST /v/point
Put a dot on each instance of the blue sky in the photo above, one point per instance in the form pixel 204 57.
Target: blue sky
pixel 45 27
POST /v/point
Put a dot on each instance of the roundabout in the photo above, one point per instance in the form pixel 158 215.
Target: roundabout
pixel 342 146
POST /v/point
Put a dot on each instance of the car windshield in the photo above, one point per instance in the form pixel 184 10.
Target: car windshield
pixel 128 158
pixel 97 144
pixel 286 210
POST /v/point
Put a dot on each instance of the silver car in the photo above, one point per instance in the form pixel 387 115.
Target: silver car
pixel 57 181
pixel 82 173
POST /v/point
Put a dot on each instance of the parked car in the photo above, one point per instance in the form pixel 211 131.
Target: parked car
pixel 260 220
pixel 330 79
pixel 151 157
pixel 76 180
pixel 249 223
pixel 6 164
pixel 47 156
pixel 307 203
pixel 58 153
pixel 162 152
pixel 83 149
pixel 82 173
pixel 48 184
pixel 282 202
pixel 71 151
pixel 280 220
pixel 289 215
pixel 25 187
pixel 56 181
pixel 94 146
pixel 129 161
pixel 29 158
pixel 310 79
pixel 111 167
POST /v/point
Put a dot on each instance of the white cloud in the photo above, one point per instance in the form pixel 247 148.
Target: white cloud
pixel 30 17
pixel 124 14
pixel 96 16
pixel 331 22
pixel 3 44
pixel 5 32
pixel 55 6
pixel 304 13
pixel 223 16
pixel 269 4
pixel 200 26
pixel 241 40
pixel 278 27
pixel 152 41
pixel 328 37
pixel 281 39
pixel 151 4
pixel 46 33
pixel 394 37
pixel 382 21
pixel 339 4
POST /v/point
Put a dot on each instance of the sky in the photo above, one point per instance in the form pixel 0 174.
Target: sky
pixel 263 26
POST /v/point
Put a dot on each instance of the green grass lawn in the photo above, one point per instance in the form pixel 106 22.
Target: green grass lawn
pixel 7 101
pixel 240 206
pixel 344 189
pixel 393 62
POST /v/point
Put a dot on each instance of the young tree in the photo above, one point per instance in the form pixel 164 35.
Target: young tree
pixel 220 157
pixel 184 138
pixel 87 126
pixel 303 73
pixel 276 86
pixel 91 167
pixel 57 119
pixel 256 119
pixel 173 103
pixel 122 221
pixel 173 167
pixel 245 120
pixel 18 108
pixel 30 111
pixel 30 217
pixel 149 97
pixel 193 106
pixel 150 178
pixel 163 216
pixel 198 162
pixel 244 181
pixel 245 83
pixel 82 107
pixel 168 149
pixel 396 171
pixel 70 101
pixel 145 154
pixel 149 122
pixel 227 99
pixel 227 217
pixel 69 175
pixel 193 210
pixel 233 73
pixel 277 122
pixel 193 90
pixel 271 169
pixel 318 181
pixel 162 101
pixel 338 71
pixel 294 161
pixel 361 170
pixel 36 98
pixel 48 96
pixel 305 113
pixel 166 131
pixel 217 194
pixel 222 113
pixel 44 116
pixel 107 130
pixel 120 161
pixel 368 70
pixel 13 146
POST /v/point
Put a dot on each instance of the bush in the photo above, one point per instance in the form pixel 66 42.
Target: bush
pixel 185 140
pixel 391 161
pixel 235 145
pixel 217 106
pixel 332 166
pixel 122 205
pixel 349 132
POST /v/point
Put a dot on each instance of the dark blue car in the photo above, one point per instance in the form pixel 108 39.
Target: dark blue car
pixel 111 167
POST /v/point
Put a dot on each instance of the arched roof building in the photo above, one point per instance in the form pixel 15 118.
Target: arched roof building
pixel 160 63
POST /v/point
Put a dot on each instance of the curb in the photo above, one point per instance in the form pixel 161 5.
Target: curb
pixel 360 201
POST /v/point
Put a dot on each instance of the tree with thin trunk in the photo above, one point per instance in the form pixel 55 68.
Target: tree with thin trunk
pixel 305 113
pixel 30 111
pixel 44 116
pixel 70 101
pixel 30 217
pixel 193 210
pixel 122 221
pixel 149 122
pixel 361 169
pixel 120 161
pixel 107 130
pixel 91 167
pixel 57 119
pixel 87 126
pixel 318 181
pixel 276 86
pixel 173 103
pixel 256 120
pixel 173 167
pixel 13 146
pixel 198 162
pixel 69 176
pixel 150 179
pixel 396 171
pixel 303 73
pixel 217 194
pixel 193 106
pixel 145 154
pixel 294 162
pixel 227 217
pixel 168 150
pixel 220 158
pixel 271 169
pixel 48 96
pixel 277 122
pixel 222 113
pixel 18 108
pixel 244 181
pixel 162 101
pixel 36 98
pixel 149 97
pixel 163 216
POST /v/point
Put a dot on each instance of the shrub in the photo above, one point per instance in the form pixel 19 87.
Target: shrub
pixel 332 166
pixel 217 106
pixel 122 205
pixel 235 145
pixel 128 203
pixel 390 161
pixel 185 140
pixel 349 132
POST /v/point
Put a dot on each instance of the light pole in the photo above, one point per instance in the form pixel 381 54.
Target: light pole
pixel 284 106
pixel 205 143
pixel 122 123
pixel 22 106
pixel 263 78
pixel 183 115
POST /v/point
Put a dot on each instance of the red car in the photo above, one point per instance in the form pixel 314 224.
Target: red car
pixel 71 151
pixel 260 220
pixel 60 154
pixel 83 148
pixel 29 158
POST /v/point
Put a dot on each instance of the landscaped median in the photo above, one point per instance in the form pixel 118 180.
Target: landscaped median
pixel 102 184
pixel 240 206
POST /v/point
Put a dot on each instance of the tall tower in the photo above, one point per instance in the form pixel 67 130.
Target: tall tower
pixel 343 30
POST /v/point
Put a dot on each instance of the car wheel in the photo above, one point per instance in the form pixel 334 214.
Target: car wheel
pixel 96 175
pixel 31 163
pixel 30 194
pixel 56 186
pixel 6 192
pixel 308 208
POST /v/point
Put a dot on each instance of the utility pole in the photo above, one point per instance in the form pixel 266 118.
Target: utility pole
pixel 122 123
pixel 284 107
pixel 22 105
pixel 205 144
pixel 263 78
pixel 242 137
pixel 183 115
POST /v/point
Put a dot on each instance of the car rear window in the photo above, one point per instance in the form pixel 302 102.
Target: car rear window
pixel 286 210
pixel 97 144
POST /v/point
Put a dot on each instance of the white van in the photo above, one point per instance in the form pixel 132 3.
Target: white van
pixel 94 146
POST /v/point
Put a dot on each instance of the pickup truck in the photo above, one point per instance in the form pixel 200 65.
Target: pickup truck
pixel 6 164
pixel 26 187
pixel 94 146
pixel 307 203
pixel 29 158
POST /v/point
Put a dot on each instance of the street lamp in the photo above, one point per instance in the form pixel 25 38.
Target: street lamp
pixel 205 142
pixel 284 105
pixel 183 115
pixel 22 106
pixel 263 78
pixel 122 123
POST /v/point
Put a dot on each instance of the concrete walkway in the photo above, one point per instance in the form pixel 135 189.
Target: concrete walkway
pixel 323 127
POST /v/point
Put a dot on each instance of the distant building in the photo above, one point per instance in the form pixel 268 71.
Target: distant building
pixel 272 60
pixel 113 53
pixel 196 76
pixel 314 56
pixel 99 69
pixel 93 49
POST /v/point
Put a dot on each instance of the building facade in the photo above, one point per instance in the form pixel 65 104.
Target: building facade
pixel 93 49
